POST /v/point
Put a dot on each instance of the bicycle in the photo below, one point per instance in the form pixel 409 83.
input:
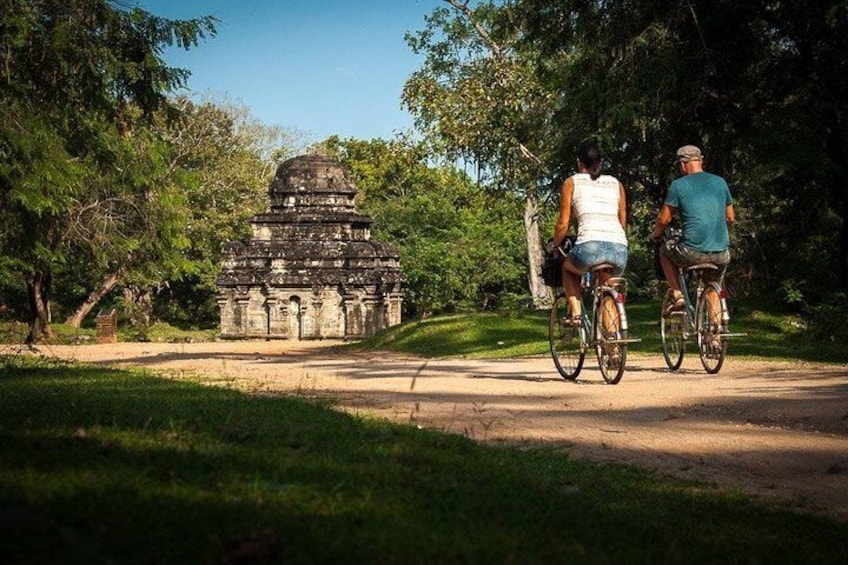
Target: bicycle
pixel 705 319
pixel 608 322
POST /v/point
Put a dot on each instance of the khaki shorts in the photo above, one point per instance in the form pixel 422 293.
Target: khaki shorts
pixel 683 256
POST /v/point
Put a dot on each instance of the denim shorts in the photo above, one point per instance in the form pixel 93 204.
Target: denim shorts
pixel 586 255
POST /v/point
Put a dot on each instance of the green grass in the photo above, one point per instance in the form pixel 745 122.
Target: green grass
pixel 469 335
pixel 16 332
pixel 484 335
pixel 771 334
pixel 161 332
pixel 107 466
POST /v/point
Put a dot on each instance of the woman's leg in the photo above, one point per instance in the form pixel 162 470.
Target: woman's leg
pixel 571 283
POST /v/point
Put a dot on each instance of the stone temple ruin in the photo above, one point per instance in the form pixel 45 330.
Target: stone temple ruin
pixel 310 271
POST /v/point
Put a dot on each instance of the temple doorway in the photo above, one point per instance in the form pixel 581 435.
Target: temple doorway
pixel 295 321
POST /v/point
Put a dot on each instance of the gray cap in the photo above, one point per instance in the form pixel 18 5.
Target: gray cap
pixel 689 153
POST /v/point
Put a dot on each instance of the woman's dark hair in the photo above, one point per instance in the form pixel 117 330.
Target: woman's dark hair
pixel 590 155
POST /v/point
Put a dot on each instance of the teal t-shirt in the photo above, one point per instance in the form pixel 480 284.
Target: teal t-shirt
pixel 701 200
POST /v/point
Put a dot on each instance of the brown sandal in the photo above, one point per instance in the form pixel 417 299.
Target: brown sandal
pixel 676 306
pixel 572 322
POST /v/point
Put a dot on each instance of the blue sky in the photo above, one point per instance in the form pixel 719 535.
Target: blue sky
pixel 321 66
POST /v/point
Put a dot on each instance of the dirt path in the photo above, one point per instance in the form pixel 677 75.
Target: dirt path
pixel 768 428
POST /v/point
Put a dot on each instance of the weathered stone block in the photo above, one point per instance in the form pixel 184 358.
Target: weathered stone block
pixel 310 271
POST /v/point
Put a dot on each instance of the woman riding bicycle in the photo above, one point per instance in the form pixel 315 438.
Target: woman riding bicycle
pixel 597 204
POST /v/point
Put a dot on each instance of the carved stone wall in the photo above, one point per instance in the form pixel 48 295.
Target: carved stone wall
pixel 310 271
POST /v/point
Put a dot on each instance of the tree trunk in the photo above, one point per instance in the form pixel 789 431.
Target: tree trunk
pixel 75 319
pixel 540 293
pixel 46 295
pixel 137 306
pixel 39 326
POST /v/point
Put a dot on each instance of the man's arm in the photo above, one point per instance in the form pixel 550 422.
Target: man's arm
pixel 663 219
pixel 730 215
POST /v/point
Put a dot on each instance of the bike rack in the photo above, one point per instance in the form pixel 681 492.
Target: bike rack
pixel 628 340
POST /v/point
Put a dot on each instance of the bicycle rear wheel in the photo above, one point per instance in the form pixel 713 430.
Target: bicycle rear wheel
pixel 671 334
pixel 612 355
pixel 566 341
pixel 711 347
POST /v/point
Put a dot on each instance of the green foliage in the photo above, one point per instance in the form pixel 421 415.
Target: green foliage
pixel 828 319
pixel 757 85
pixel 90 457
pixel 460 246
pixel 73 74
pixel 223 160
pixel 477 97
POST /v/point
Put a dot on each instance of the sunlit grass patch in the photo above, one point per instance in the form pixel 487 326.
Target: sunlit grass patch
pixel 771 334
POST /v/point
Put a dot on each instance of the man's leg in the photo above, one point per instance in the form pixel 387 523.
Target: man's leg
pixel 715 311
pixel 670 270
pixel 715 300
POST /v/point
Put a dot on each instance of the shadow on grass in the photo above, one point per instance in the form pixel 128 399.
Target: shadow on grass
pixel 112 466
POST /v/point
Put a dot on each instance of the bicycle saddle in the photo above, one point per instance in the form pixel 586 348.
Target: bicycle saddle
pixel 703 266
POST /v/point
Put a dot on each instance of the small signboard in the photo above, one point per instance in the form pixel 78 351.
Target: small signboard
pixel 107 326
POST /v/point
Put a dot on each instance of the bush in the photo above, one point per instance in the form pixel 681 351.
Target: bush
pixel 828 320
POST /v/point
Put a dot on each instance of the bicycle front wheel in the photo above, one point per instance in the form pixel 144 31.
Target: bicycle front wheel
pixel 711 347
pixel 671 334
pixel 566 341
pixel 609 334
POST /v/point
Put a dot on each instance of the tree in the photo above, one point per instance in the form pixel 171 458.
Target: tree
pixel 458 244
pixel 130 227
pixel 759 85
pixel 477 98
pixel 70 70
pixel 226 159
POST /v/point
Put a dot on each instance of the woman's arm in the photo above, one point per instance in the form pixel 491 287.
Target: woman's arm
pixel 622 206
pixel 565 193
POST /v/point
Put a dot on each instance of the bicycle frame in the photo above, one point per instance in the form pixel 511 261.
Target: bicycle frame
pixel 699 320
pixel 608 332
pixel 596 289
pixel 688 295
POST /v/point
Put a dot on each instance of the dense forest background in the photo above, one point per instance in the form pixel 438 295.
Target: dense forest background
pixel 116 191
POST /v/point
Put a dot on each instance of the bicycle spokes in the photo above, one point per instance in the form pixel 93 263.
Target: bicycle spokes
pixel 712 346
pixel 567 341
pixel 672 328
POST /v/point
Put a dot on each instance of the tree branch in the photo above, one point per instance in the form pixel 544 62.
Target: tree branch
pixel 498 53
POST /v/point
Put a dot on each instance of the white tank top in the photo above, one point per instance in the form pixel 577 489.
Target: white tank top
pixel 594 204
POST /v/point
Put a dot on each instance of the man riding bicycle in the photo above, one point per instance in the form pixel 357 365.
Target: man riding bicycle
pixel 704 207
